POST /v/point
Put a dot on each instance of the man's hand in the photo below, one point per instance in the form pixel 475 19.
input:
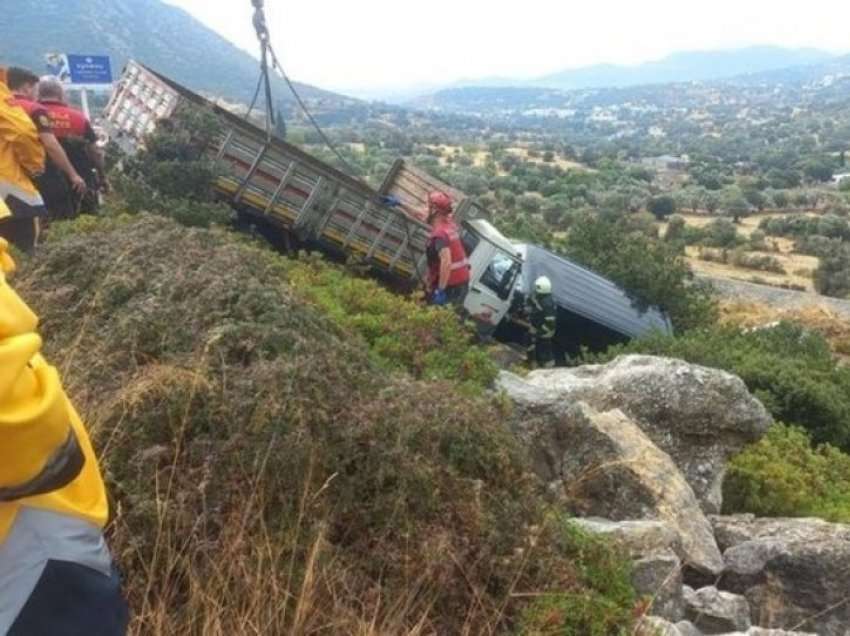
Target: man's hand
pixel 440 298
pixel 78 184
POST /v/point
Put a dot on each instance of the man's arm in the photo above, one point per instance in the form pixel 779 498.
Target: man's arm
pixel 445 267
pixel 39 450
pixel 58 156
pixel 95 155
pixel 19 131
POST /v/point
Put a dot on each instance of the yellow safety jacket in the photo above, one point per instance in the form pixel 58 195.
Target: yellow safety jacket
pixel 21 152
pixel 46 459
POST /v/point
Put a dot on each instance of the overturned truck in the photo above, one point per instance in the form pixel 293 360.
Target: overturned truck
pixel 301 200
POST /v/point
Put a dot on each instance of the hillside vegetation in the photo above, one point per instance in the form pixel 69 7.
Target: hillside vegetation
pixel 271 474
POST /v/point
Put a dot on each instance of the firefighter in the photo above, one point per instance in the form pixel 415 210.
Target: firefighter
pixel 448 267
pixel 542 317
pixel 21 158
pixel 75 133
pixel 61 184
pixel 56 573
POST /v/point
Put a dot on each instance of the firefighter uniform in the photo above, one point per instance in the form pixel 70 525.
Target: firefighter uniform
pixel 445 234
pixel 542 317
pixel 75 133
pixel 21 157
pixel 56 573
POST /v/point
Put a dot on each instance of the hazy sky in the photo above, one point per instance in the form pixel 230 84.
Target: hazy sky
pixel 365 44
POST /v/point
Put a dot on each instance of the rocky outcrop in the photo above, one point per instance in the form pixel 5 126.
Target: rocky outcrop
pixel 602 465
pixel 716 612
pixel 699 416
pixel 795 573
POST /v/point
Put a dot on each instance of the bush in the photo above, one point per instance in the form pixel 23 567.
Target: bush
pixel 832 277
pixel 172 175
pixel 427 342
pixel 791 370
pixel 784 476
pixel 721 233
pixel 605 603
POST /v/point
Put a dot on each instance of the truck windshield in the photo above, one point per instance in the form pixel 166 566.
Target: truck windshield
pixel 500 274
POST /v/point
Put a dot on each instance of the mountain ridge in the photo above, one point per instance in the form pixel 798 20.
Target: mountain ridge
pixel 157 34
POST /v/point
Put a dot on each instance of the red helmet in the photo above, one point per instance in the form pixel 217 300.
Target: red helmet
pixel 441 201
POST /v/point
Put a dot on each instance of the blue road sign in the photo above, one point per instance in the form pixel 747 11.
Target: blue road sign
pixel 89 69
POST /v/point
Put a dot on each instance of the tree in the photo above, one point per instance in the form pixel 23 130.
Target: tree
pixel 755 198
pixel 819 169
pixel 529 203
pixel 661 207
pixel 733 203
pixel 653 272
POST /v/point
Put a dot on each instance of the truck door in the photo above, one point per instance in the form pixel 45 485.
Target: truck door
pixel 491 288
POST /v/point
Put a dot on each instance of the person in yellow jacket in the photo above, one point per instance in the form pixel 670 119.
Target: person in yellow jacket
pixel 56 573
pixel 21 158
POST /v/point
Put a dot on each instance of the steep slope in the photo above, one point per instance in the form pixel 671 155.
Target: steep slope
pixel 158 34
pixel 268 477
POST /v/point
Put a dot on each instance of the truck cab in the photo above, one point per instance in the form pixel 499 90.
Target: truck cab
pixel 496 269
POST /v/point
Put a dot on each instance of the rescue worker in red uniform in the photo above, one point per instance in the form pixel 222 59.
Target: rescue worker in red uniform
pixel 448 266
pixel 77 137
pixel 60 184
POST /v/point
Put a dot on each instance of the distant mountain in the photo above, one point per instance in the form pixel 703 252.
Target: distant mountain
pixel 678 67
pixel 157 34
pixel 697 66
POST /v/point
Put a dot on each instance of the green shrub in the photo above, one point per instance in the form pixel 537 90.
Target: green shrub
pixel 790 369
pixel 721 233
pixel 402 334
pixel 172 175
pixel 604 603
pixel 783 475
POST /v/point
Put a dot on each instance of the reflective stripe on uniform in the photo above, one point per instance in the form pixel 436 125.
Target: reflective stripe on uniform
pixel 61 469
pixel 30 198
pixel 36 537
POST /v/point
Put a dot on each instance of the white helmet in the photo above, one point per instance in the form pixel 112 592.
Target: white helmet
pixel 543 286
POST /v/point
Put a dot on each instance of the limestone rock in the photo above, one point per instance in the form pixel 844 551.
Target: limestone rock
pixel 655 626
pixel 794 572
pixel 701 417
pixel 659 577
pixel 603 465
pixel 687 628
pixel 716 612
pixel 640 538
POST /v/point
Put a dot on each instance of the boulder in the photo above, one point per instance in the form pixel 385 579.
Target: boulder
pixel 794 572
pixel 763 631
pixel 659 578
pixel 687 628
pixel 603 465
pixel 716 612
pixel 655 626
pixel 639 538
pixel 699 416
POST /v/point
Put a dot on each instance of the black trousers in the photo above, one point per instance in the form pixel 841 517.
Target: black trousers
pixel 456 295
pixel 20 232
pixel 73 600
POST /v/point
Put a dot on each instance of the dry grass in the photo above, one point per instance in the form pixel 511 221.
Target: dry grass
pixel 817 318
pixel 796 265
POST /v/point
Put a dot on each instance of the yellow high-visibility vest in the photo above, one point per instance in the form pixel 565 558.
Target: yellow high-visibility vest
pixel 39 427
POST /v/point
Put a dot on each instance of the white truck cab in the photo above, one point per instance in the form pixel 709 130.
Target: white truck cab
pixel 496 269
